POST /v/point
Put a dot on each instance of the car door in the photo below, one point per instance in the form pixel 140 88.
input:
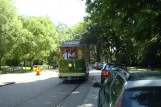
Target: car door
pixel 103 93
pixel 115 89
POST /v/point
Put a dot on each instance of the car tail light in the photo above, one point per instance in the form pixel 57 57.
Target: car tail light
pixel 105 73
pixel 118 104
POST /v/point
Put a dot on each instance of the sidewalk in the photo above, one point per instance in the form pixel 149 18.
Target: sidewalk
pixel 7 79
pixel 92 97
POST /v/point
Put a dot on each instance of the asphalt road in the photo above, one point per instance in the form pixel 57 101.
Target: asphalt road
pixel 48 92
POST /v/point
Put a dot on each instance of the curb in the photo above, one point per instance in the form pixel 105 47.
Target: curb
pixel 7 83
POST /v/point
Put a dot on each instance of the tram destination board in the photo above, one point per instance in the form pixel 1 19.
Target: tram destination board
pixel 75 42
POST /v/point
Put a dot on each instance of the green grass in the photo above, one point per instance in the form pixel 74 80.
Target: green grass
pixel 27 68
pixel 6 70
pixel 143 68
pixel 157 69
pixel 13 70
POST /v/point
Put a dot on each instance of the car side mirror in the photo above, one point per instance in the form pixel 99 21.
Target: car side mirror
pixel 96 84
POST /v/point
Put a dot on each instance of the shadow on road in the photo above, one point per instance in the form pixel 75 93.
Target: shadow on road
pixel 39 92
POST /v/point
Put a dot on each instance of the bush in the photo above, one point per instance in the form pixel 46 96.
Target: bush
pixel 14 69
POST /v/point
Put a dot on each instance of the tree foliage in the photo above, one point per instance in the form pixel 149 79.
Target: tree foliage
pixel 114 30
pixel 130 30
pixel 10 29
pixel 26 40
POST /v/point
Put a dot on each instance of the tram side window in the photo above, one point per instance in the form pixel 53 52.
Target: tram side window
pixel 80 53
pixel 74 54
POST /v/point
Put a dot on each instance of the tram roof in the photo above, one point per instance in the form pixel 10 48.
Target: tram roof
pixel 78 45
pixel 74 43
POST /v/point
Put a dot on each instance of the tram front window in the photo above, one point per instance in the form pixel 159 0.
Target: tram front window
pixel 72 53
pixel 67 55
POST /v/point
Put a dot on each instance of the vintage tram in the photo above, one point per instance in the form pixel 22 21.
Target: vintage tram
pixel 73 63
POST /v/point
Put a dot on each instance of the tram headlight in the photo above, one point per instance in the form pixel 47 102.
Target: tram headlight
pixel 70 65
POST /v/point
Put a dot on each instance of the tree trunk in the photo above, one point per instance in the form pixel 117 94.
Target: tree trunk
pixel 117 56
pixel 31 64
pixel 110 55
pixel 117 40
pixel 88 50
pixel 98 52
pixel 25 64
pixel 0 63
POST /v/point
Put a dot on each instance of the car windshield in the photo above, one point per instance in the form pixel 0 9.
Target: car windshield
pixel 142 97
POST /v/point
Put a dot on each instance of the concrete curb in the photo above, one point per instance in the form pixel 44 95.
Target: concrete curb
pixel 6 83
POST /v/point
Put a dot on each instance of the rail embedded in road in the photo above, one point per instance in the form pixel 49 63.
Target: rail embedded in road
pixel 63 85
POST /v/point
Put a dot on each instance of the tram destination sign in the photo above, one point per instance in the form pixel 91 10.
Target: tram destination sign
pixel 76 42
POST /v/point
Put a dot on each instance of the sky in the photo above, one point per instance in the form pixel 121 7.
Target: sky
pixel 69 12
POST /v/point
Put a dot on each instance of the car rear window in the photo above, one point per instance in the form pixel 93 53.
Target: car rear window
pixel 111 67
pixel 123 67
pixel 142 97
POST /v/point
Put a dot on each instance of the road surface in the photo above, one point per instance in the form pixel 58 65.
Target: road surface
pixel 50 91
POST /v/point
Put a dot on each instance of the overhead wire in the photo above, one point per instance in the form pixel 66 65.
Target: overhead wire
pixel 61 8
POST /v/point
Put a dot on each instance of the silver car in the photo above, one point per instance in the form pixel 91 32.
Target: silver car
pixel 137 89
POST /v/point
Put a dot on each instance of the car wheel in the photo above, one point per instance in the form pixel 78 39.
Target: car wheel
pixel 101 81
pixel 107 101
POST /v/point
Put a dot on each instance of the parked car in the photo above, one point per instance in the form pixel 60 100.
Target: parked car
pixel 94 65
pixel 109 68
pixel 98 65
pixel 137 89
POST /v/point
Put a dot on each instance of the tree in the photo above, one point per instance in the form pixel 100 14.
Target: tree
pixel 43 39
pixel 10 27
pixel 125 25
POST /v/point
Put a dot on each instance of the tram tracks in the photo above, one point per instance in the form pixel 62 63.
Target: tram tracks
pixel 37 95
pixel 57 105
pixel 67 85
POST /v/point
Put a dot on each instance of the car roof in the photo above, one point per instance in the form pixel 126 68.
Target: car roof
pixel 144 75
pixel 142 83
pixel 117 64
pixel 143 79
